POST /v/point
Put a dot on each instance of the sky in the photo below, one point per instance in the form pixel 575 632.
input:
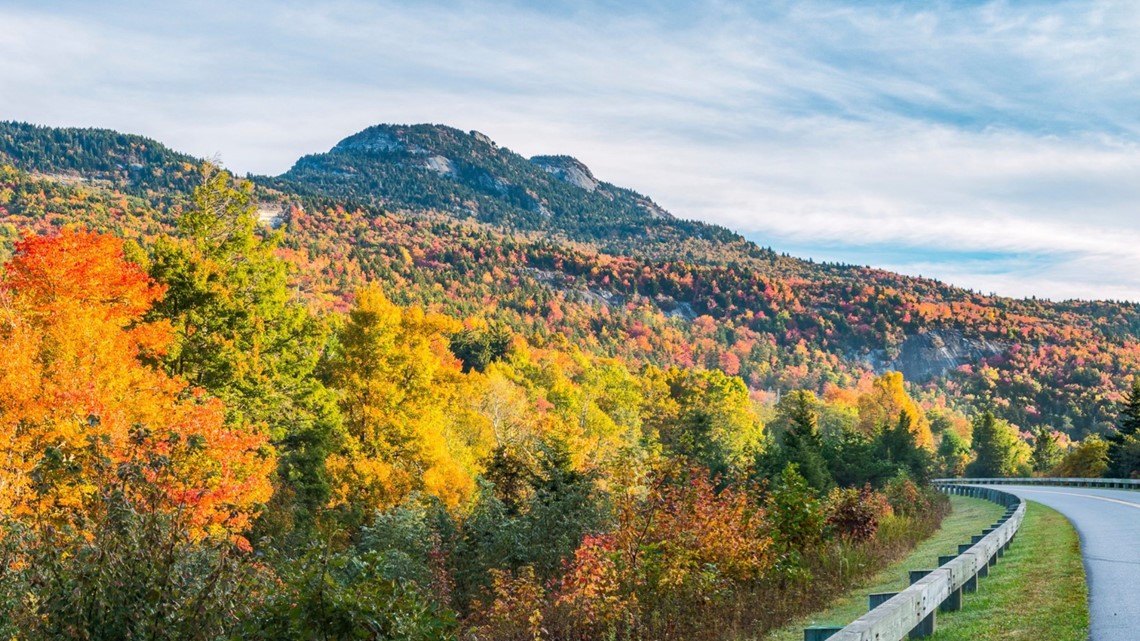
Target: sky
pixel 993 145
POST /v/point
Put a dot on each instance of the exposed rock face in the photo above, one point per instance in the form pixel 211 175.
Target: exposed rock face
pixel 483 138
pixel 924 356
pixel 373 140
pixel 568 169
pixel 440 164
pixel 270 214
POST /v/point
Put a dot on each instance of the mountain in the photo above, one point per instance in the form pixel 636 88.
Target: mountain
pixel 452 221
pixel 467 175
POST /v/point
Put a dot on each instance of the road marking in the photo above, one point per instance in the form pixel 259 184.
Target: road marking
pixel 1089 496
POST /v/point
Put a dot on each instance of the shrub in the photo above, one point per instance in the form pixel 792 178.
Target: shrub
pixel 905 497
pixel 798 520
pixel 855 514
pixel 123 573
pixel 325 595
pixel 516 608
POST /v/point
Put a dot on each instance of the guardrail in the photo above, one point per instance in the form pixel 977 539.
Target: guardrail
pixel 893 617
pixel 1126 484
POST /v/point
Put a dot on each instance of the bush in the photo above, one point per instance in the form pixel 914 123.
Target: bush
pixel 905 497
pixel 130 574
pixel 798 521
pixel 343 596
pixel 855 514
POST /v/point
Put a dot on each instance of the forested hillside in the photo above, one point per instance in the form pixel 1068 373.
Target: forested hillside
pixel 299 409
pixel 449 219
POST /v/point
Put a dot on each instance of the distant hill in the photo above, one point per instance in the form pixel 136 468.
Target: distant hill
pixel 451 220
pixel 123 160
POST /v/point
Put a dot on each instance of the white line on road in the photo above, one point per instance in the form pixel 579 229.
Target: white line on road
pixel 1089 496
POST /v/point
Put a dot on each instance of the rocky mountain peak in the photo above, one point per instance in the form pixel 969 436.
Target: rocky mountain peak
pixel 568 169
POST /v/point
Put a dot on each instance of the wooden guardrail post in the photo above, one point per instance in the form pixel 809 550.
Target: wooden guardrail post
pixel 820 632
pixel 954 601
pixel 875 599
pixel 971 584
pixel 926 627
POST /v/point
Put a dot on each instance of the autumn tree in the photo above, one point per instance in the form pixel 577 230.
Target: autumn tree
pixel 78 405
pixel 953 453
pixel 1087 459
pixel 882 407
pixel 713 423
pixel 400 392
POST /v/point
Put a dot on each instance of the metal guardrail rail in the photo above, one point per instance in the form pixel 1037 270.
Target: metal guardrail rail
pixel 1125 484
pixel 911 612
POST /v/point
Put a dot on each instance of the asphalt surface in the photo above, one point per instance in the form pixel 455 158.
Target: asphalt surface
pixel 1108 522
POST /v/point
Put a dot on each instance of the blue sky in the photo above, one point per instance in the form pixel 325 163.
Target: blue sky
pixel 993 145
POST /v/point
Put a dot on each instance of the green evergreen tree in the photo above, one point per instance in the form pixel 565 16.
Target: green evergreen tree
pixel 1129 422
pixel 801 443
pixel 899 447
pixel 1122 449
pixel 999 451
pixel 1046 452
pixel 242 336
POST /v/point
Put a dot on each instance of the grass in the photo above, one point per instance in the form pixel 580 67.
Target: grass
pixel 1037 590
pixel 969 517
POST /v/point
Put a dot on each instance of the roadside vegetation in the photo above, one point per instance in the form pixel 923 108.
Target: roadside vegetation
pixel 968 516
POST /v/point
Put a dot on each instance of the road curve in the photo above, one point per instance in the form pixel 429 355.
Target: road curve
pixel 1108 522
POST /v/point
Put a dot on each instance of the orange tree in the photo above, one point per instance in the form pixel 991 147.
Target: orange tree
pixel 79 404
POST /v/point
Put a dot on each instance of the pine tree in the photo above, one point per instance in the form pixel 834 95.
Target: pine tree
pixel 1046 452
pixel 999 450
pixel 899 447
pixel 1129 422
pixel 1122 448
pixel 801 441
pixel 241 335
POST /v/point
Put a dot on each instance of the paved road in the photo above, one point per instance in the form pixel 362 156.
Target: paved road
pixel 1108 522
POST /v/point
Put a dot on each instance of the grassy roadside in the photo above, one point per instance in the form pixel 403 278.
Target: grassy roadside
pixel 1037 590
pixel 969 517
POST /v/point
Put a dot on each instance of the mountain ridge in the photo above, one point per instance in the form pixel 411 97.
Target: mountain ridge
pixel 448 218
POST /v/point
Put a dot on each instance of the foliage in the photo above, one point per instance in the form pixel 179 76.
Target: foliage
pixel 1087 459
pixel 241 335
pixel 907 498
pixel 998 449
pixel 400 393
pixel 953 454
pixel 76 403
pixel 709 422
pixel 855 514
pixel 125 570
pixel 326 595
pixel 1123 454
pixel 801 443
pixel 1046 452
pixel 798 518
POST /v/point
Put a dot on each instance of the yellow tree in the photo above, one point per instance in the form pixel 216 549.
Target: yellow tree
pixel 408 424
pixel 77 403
pixel 885 402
